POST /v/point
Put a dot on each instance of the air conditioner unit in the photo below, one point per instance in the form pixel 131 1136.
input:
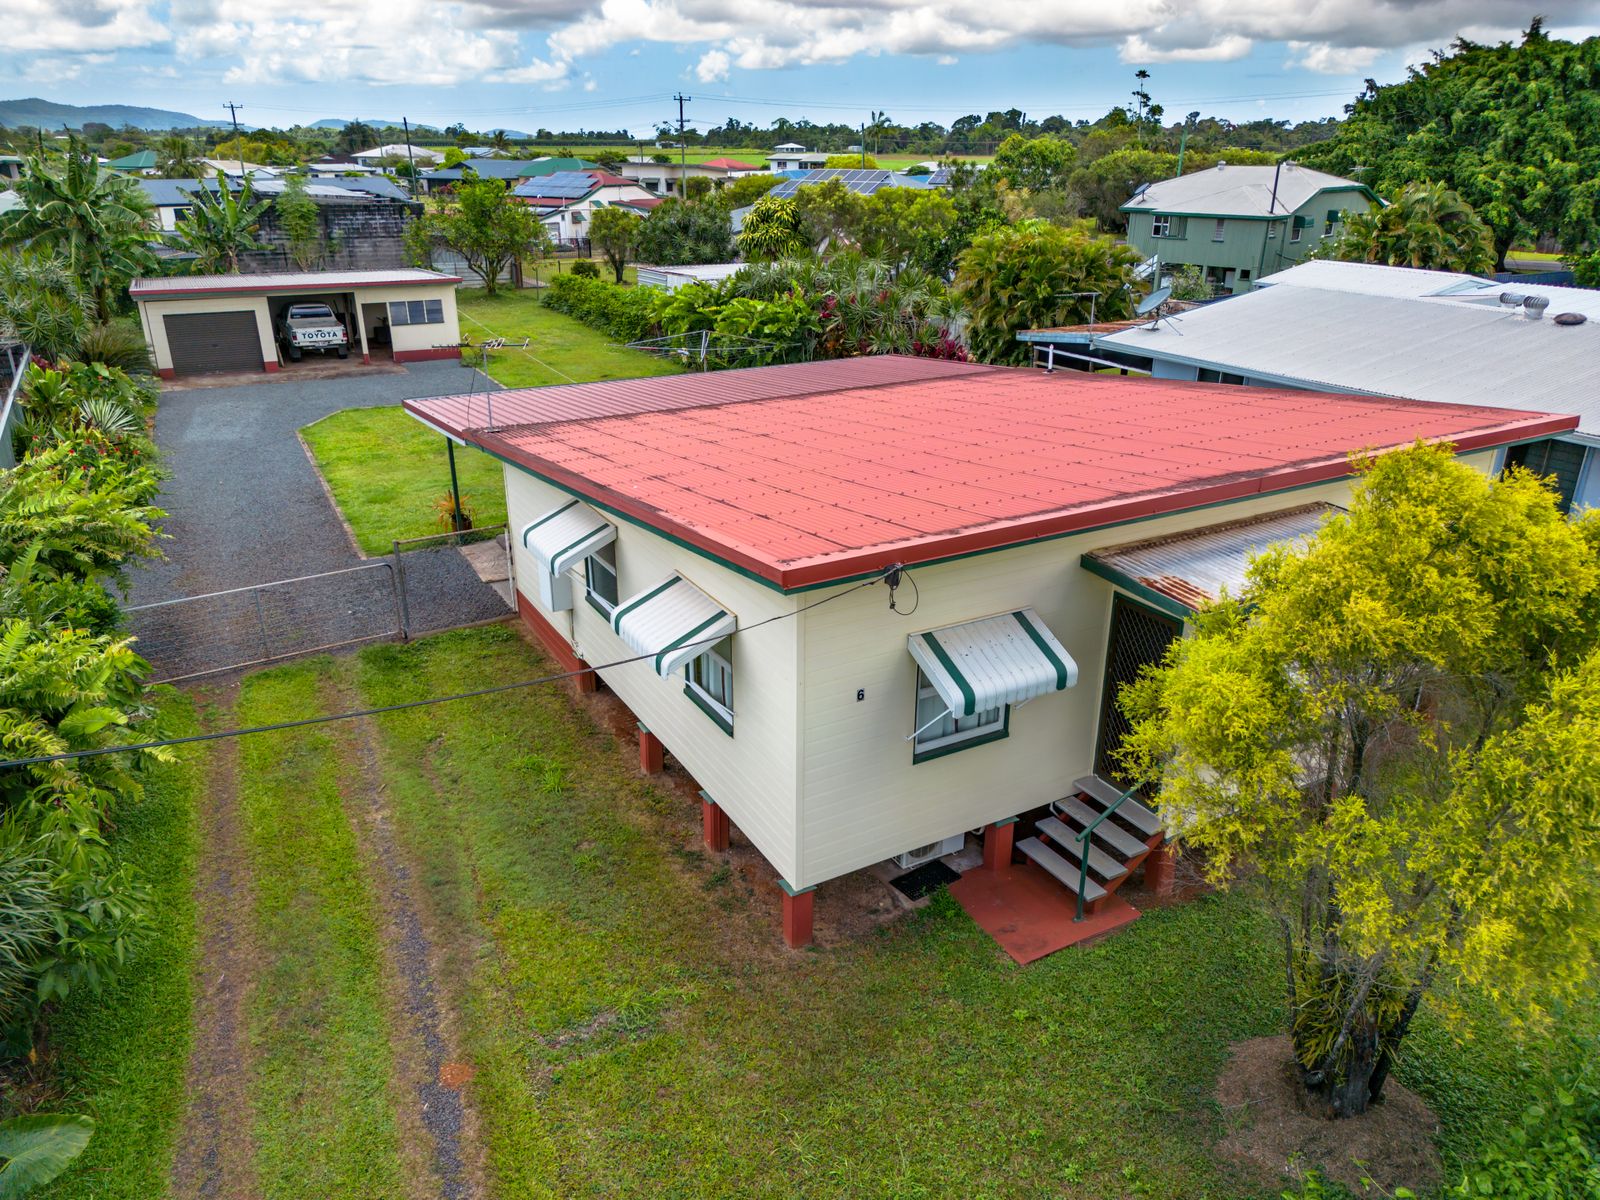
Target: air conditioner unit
pixel 933 850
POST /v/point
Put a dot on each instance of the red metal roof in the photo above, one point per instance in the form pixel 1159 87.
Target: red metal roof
pixel 807 474
pixel 300 281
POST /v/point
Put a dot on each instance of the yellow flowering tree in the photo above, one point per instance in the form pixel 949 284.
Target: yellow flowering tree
pixel 1394 734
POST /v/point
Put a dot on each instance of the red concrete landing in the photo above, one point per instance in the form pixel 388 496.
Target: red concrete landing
pixel 1030 914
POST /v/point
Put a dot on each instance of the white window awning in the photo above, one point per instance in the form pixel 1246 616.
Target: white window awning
pixel 673 622
pixel 564 537
pixel 983 664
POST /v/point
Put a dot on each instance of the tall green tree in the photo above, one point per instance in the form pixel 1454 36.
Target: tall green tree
pixel 221 226
pixel 488 228
pixel 1515 130
pixel 300 219
pixel 178 157
pixel 612 232
pixel 1024 276
pixel 772 230
pixel 1426 225
pixel 1038 164
pixel 99 223
pixel 1393 735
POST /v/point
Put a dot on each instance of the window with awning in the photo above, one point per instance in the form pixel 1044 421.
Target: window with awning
pixel 672 622
pixel 560 540
pixel 971 674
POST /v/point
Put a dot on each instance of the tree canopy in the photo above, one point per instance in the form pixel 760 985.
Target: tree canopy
pixel 773 230
pixel 1515 130
pixel 480 222
pixel 1394 734
pixel 612 232
pixel 679 232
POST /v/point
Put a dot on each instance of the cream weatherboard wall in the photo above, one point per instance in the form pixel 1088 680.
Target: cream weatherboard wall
pixel 152 312
pixel 751 774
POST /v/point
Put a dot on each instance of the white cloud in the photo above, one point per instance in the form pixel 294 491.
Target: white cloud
pixel 1332 60
pixel 444 42
pixel 79 25
pixel 713 66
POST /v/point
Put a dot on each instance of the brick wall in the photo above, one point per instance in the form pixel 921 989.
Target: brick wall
pixel 360 235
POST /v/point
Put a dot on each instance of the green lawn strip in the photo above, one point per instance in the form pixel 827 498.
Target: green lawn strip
pixel 121 1055
pixel 561 349
pixel 387 472
pixel 624 1047
pixel 324 1122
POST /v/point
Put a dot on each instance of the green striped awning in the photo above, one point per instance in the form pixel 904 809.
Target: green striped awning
pixel 983 664
pixel 672 622
pixel 563 537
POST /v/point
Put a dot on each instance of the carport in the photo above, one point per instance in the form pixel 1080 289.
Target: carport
pixel 202 324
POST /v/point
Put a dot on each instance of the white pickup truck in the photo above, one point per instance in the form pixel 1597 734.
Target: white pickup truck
pixel 312 327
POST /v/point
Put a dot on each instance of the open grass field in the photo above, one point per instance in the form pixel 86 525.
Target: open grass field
pixel 612 1010
pixel 387 471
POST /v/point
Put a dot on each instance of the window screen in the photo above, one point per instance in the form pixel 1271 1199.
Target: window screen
pixel 416 312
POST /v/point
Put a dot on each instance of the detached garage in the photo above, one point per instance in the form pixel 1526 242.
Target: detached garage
pixel 203 324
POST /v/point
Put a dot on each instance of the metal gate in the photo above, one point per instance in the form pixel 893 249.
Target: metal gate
pixel 268 622
pixel 1139 637
pixel 202 343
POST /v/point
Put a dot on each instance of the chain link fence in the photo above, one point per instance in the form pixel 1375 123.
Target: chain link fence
pixel 427 585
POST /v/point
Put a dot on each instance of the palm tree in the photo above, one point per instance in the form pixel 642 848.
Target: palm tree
pixel 179 158
pixel 221 226
pixel 1427 225
pixel 99 222
pixel 500 140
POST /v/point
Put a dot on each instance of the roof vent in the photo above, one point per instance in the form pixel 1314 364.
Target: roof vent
pixel 1221 163
pixel 1533 307
pixel 1570 318
pixel 1511 299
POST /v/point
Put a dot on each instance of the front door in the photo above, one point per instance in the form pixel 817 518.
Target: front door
pixel 1139 637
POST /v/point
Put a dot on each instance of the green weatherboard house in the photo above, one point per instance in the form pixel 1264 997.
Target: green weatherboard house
pixel 1241 223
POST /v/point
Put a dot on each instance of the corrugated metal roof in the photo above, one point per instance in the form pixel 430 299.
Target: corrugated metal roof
pixel 1196 567
pixel 1229 191
pixel 823 471
pixel 1445 350
pixel 1372 279
pixel 320 281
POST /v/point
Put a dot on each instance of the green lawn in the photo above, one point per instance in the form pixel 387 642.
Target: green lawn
pixel 637 1029
pixel 387 473
pixel 121 1055
pixel 561 350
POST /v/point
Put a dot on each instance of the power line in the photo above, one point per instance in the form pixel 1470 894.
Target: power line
pixel 892 575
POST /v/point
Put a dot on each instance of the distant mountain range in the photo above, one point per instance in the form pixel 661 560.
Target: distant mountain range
pixel 46 114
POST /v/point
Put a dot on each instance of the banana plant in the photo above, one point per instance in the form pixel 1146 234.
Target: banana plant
pixel 35 1149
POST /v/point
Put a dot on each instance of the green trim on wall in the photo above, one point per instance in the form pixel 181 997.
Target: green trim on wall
pixel 957 747
pixel 704 706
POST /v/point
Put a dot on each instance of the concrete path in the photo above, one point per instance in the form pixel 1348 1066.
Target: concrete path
pixel 245 505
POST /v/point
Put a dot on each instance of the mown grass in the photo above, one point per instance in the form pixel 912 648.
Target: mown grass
pixel 120 1056
pixel 637 1033
pixel 388 472
pixel 324 1121
pixel 561 350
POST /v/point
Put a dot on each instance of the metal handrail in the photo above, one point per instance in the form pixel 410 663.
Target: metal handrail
pixel 1083 846
pixel 8 410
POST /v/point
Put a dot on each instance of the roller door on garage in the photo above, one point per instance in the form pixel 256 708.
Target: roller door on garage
pixel 201 343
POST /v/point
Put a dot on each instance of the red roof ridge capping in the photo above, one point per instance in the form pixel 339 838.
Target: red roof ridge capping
pixel 730 164
pixel 817 485
pixel 606 179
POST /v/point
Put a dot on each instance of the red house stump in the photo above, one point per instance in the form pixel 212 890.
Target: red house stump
pixel 997 841
pixel 797 912
pixel 713 824
pixel 650 752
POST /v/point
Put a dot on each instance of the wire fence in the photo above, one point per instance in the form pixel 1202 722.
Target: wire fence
pixel 426 585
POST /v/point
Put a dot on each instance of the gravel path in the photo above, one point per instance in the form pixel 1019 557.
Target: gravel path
pixel 245 506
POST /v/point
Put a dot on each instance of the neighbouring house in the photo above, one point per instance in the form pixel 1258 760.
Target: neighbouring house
pixel 509 169
pixel 667 179
pixel 874 604
pixel 420 155
pixel 204 324
pixel 234 169
pixel 10 167
pixel 140 162
pixel 863 181
pixel 364 221
pixel 793 157
pixel 1241 223
pixel 1395 331
pixel 330 164
pixel 672 278
pixel 566 199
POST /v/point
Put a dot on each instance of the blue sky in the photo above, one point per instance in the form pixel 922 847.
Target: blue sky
pixel 565 64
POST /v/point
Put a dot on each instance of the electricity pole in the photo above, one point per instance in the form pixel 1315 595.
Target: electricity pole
pixel 238 139
pixel 405 123
pixel 683 154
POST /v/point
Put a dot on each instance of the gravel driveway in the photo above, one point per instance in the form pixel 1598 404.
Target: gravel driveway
pixel 245 505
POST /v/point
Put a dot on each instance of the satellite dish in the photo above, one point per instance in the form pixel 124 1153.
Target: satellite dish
pixel 1153 301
